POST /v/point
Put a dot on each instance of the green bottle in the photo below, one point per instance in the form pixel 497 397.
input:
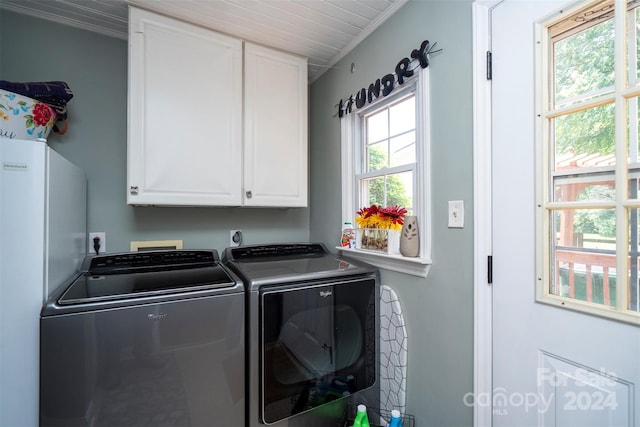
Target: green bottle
pixel 361 417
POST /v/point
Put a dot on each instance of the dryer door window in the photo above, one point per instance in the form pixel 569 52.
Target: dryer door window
pixel 318 345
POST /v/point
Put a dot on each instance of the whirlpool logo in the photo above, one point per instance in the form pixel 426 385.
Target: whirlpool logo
pixel 325 294
pixel 156 317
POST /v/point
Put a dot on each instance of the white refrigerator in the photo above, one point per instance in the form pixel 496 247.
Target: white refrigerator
pixel 43 235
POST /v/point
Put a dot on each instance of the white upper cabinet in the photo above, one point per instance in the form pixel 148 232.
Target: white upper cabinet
pixel 187 116
pixel 275 128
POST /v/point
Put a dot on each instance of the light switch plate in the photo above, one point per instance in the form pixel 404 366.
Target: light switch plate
pixel 456 214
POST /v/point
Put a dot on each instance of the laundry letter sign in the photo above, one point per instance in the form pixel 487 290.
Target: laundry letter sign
pixel 386 83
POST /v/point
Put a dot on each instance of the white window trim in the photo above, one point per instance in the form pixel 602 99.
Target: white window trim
pixel 350 133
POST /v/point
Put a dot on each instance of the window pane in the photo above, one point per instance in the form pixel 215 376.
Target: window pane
pixel 594 187
pixel 634 33
pixel 403 116
pixel 403 149
pixel 633 147
pixel 377 156
pixel 583 63
pixel 388 190
pixel 633 127
pixel 378 127
pixel 391 136
pixel 400 190
pixel 634 258
pixel 634 184
pixel 373 192
pixel 584 256
pixel 585 139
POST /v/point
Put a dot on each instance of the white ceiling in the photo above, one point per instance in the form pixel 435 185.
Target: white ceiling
pixel 324 31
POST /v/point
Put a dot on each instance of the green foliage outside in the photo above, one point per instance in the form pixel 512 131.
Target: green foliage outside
pixel 584 64
pixel 596 221
pixel 396 192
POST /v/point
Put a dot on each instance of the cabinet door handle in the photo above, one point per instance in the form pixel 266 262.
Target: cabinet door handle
pixel 133 189
pixel 248 194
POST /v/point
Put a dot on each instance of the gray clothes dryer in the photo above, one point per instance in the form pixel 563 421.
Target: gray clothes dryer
pixel 312 333
pixel 145 339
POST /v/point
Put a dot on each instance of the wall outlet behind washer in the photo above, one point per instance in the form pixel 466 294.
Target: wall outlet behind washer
pixel 103 242
pixel 235 237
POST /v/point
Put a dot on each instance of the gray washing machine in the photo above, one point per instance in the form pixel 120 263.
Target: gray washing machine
pixel 312 333
pixel 145 339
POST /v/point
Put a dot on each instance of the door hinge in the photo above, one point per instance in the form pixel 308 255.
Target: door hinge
pixel 490 269
pixel 489 66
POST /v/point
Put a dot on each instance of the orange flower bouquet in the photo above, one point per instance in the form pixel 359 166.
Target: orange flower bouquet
pixel 379 228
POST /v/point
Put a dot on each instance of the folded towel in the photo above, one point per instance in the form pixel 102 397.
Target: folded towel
pixel 56 94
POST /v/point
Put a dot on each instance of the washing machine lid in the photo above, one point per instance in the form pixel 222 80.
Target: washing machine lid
pixel 283 263
pixel 136 274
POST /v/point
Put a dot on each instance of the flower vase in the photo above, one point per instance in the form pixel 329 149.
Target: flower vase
pixel 373 239
pixel 393 246
pixel 386 241
pixel 409 238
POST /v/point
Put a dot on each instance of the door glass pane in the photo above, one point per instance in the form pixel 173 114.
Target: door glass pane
pixel 584 255
pixel 584 61
pixel 634 39
pixel 633 147
pixel 585 139
pixel 588 187
pixel 634 258
pixel 634 131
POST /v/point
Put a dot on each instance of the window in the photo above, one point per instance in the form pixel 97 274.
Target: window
pixel 390 155
pixel 385 148
pixel 588 167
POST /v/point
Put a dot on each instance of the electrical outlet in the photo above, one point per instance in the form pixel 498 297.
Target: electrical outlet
pixel 103 242
pixel 235 237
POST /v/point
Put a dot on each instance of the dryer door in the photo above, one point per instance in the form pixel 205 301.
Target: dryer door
pixel 318 344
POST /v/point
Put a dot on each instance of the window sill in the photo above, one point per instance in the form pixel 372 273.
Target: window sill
pixel 409 265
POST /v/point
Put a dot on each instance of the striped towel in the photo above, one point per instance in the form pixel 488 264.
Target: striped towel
pixel 56 94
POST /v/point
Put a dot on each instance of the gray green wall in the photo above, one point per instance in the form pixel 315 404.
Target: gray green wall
pixel 438 309
pixel 95 67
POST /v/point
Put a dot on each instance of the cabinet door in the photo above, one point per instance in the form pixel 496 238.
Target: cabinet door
pixel 275 151
pixel 185 114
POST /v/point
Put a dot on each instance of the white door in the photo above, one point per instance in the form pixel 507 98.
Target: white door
pixel 551 366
